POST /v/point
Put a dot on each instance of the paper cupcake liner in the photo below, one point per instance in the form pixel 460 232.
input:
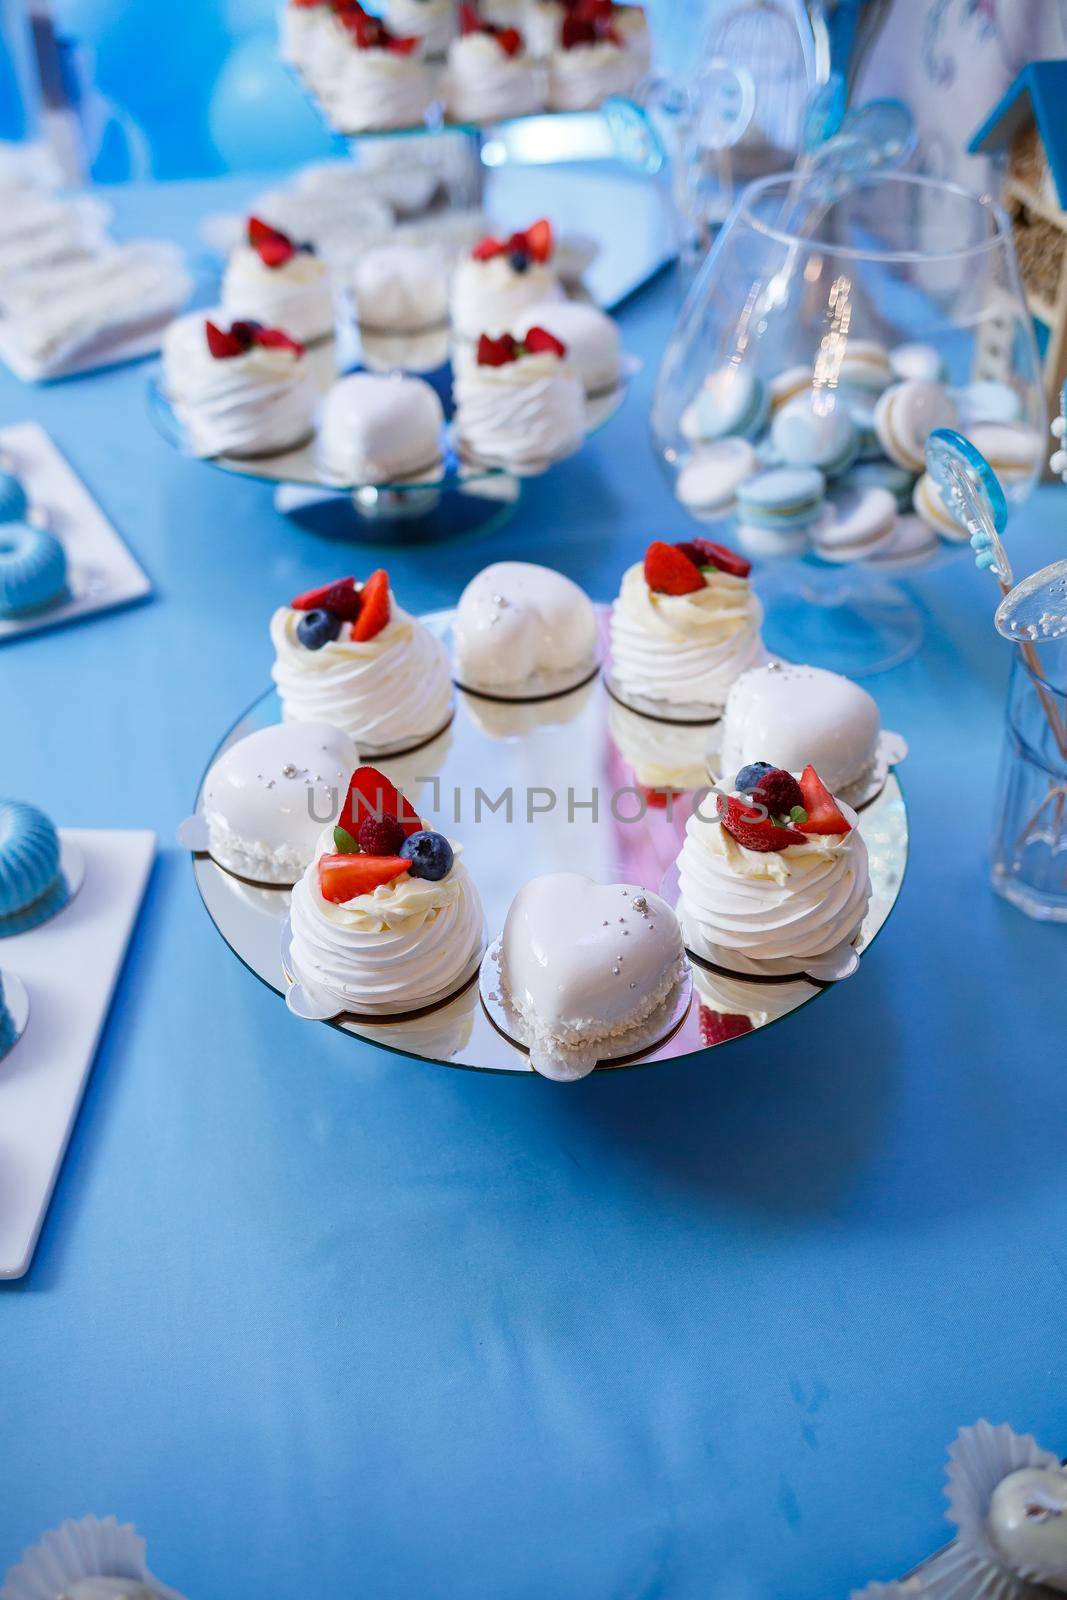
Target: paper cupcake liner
pixel 91 1548
pixel 888 1591
pixel 979 1459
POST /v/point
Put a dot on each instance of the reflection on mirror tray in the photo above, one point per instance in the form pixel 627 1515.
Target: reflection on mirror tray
pixel 549 787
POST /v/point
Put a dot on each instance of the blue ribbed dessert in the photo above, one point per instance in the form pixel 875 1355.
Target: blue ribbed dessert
pixel 33 569
pixel 7 1024
pixel 13 502
pixel 32 887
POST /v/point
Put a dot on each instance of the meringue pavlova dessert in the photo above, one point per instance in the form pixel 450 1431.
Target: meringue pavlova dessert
pixel 245 390
pixel 386 920
pixel 381 80
pixel 348 655
pixel 501 279
pixel 774 879
pixel 587 971
pixel 490 72
pixel 686 624
pixel 523 632
pixel 519 405
pixel 284 285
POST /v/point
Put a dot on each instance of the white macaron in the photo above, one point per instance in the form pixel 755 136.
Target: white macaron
pixel 856 524
pixel 905 417
pixel 919 361
pixel 927 501
pixel 710 479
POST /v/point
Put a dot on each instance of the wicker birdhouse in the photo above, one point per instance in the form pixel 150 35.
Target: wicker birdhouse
pixel 1028 131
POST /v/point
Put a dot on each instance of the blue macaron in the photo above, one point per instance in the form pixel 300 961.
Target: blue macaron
pixel 731 400
pixel 784 498
pixel 816 430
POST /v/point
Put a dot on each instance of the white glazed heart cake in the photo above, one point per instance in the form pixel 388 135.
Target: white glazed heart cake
pixel 267 798
pixel 790 715
pixel 518 624
pixel 582 963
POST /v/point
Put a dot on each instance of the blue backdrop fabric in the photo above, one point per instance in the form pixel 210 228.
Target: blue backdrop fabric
pixel 322 1321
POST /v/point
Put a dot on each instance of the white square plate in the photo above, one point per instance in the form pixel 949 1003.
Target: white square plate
pixel 70 967
pixel 103 573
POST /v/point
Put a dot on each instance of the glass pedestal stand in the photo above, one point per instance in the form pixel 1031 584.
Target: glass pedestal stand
pixel 845 618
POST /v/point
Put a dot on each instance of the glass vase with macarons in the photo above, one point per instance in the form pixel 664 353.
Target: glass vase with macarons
pixel 838 320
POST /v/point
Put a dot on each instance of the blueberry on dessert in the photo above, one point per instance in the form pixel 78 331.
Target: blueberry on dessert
pixel 348 655
pixel 685 625
pixel 520 404
pixel 386 919
pixel 501 279
pixel 273 280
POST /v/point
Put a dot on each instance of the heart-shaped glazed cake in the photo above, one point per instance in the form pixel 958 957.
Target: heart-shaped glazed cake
pixel 583 964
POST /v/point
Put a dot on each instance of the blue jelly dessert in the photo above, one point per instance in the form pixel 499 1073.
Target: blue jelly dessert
pixel 32 886
pixel 33 569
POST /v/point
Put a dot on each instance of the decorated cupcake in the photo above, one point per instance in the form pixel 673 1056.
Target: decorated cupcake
pixel 386 920
pixel 774 877
pixel 490 72
pixel 273 281
pixel 593 58
pixel 383 81
pixel 519 405
pixel 346 654
pixel 245 390
pixel 501 279
pixel 685 626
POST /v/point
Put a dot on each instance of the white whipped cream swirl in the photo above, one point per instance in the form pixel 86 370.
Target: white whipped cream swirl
pixel 522 416
pixel 295 297
pixel 411 943
pixel 378 89
pixel 796 904
pixel 581 78
pixel 388 693
pixel 685 649
pixel 490 296
pixel 257 403
pixel 484 83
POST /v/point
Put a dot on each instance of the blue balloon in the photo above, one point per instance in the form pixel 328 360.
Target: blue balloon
pixel 258 116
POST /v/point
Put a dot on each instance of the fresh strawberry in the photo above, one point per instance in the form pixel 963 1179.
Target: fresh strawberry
pixel 669 571
pixel 370 794
pixel 497 352
pixel 716 1027
pixel 275 253
pixel 222 345
pixel 779 791
pixel 753 831
pixel 276 339
pixel 538 240
pixel 374 610
pixel 341 878
pixel 509 40
pixel 538 339
pixel 486 249
pixel 824 815
pixel 403 47
pixel 705 553
pixel 258 230
pixel 380 836
pixel 342 598
pixel 469 20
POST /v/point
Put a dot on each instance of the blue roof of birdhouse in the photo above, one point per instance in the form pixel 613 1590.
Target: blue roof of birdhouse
pixel 1040 91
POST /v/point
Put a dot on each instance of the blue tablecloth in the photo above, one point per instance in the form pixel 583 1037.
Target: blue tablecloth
pixel 323 1321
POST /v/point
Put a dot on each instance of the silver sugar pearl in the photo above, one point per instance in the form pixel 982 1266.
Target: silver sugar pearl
pixel 615 970
pixel 288 771
pixel 640 903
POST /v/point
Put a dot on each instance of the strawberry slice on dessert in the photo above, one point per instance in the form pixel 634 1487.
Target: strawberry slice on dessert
pixel 716 1027
pixel 824 814
pixel 278 339
pixel 342 878
pixel 538 340
pixel 343 598
pixel 370 794
pixel 753 830
pixel 487 248
pixel 223 344
pixel 706 553
pixel 669 570
pixel 497 352
pixel 537 240
pixel 273 247
pixel 374 608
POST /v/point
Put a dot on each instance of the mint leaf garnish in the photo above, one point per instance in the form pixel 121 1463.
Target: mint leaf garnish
pixel 346 845
pixel 798 814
